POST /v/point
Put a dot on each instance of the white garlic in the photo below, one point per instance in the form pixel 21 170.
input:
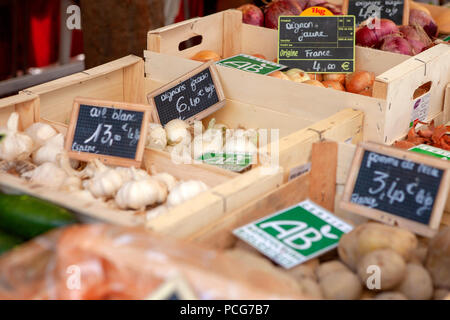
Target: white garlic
pixel 177 131
pixel 138 194
pixel 47 174
pixel 240 143
pixel 167 179
pixel 185 191
pixel 105 182
pixel 156 137
pixel 50 150
pixel 132 173
pixel 180 153
pixel 153 213
pixel 15 145
pixel 210 141
pixel 40 133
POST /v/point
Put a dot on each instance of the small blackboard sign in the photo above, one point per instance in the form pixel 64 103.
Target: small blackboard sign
pixel 191 97
pixel 318 44
pixel 395 10
pixel 111 131
pixel 397 187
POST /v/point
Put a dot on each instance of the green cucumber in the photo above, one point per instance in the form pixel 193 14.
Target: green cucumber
pixel 28 217
pixel 8 241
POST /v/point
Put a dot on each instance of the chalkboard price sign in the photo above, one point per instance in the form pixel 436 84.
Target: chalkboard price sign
pixel 397 187
pixel 191 97
pixel 113 132
pixel 395 10
pixel 319 44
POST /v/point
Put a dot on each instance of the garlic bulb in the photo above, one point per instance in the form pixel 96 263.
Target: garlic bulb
pixel 210 141
pixel 40 133
pixel 177 131
pixel 50 150
pixel 138 194
pixel 180 153
pixel 156 138
pixel 105 182
pixel 48 174
pixel 132 173
pixel 15 145
pixel 167 179
pixel 240 143
pixel 185 191
pixel 16 167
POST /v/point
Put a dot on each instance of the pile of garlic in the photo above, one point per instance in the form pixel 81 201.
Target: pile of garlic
pixel 178 138
pixel 38 156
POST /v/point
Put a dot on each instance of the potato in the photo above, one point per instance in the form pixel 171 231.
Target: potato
pixel 310 288
pixel 371 236
pixel 438 259
pixel 330 267
pixel 417 283
pixel 391 264
pixel 390 295
pixel 341 285
pixel 440 294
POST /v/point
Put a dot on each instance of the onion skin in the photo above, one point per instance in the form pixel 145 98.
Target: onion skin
pixel 280 75
pixel 260 56
pixel 314 83
pixel 316 76
pixel 395 43
pixel 274 10
pixel 421 18
pixel 373 38
pixel 296 6
pixel 339 77
pixel 251 14
pixel 360 82
pixel 206 55
pixel 417 38
pixel 333 85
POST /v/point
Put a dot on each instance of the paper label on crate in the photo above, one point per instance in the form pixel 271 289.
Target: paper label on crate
pixel 431 151
pixel 252 64
pixel 236 162
pixel 296 234
pixel 421 106
pixel 298 171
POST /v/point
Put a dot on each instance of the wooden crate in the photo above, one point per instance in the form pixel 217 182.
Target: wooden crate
pixel 397 76
pixel 124 80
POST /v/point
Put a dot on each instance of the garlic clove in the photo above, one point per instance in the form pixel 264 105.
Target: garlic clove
pixel 185 191
pixel 40 133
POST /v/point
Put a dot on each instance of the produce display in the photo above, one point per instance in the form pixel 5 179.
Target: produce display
pixel 432 135
pixel 38 156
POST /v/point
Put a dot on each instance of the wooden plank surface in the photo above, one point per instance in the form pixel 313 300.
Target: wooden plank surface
pixel 322 186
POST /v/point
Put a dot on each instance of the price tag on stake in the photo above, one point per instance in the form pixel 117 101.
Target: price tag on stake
pixel 113 132
pixel 296 234
pixel 191 97
pixel 318 44
pixel 395 10
pixel 252 64
pixel 397 187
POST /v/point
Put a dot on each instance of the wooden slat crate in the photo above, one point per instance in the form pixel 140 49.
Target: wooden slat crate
pixel 124 80
pixel 397 76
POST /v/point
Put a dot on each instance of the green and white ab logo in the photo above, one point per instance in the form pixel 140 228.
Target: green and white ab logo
pixel 296 234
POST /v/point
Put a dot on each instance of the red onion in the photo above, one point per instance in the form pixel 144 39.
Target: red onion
pixel 295 6
pixel 368 37
pixel 397 44
pixel 274 10
pixel 315 3
pixel 416 37
pixel 336 10
pixel 421 18
pixel 251 14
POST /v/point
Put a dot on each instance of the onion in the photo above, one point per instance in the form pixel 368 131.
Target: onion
pixel 359 81
pixel 417 38
pixel 315 3
pixel 274 10
pixel 314 83
pixel 251 14
pixel 333 85
pixel 397 44
pixel 421 18
pixel 280 75
pixel 339 77
pixel 336 10
pixel 296 6
pixel 260 56
pixel 372 37
pixel 206 55
pixel 316 76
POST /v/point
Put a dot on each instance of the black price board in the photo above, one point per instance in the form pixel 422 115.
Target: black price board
pixel 191 97
pixel 397 187
pixel 395 10
pixel 319 44
pixel 113 132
